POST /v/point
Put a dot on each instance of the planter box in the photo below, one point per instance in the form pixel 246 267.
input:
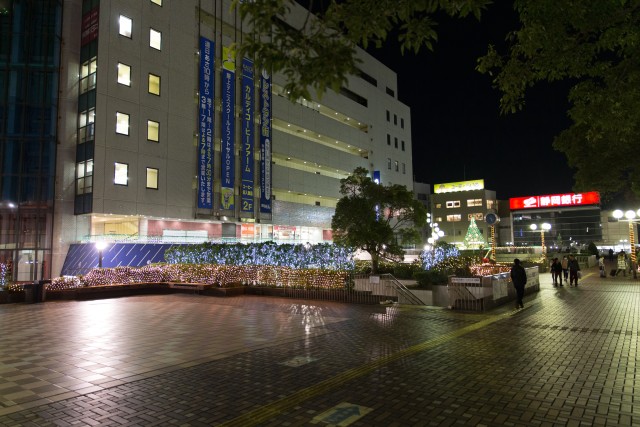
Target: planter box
pixel 7 297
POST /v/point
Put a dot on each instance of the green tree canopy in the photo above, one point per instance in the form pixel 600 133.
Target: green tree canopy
pixel 376 218
pixel 595 46
pixel 319 52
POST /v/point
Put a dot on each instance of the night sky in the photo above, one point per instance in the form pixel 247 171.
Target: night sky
pixel 457 131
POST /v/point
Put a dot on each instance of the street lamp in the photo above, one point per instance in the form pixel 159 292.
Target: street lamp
pixel 543 227
pixel 630 217
pixel 100 246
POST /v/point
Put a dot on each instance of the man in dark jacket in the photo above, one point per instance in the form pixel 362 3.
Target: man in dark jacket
pixel 519 279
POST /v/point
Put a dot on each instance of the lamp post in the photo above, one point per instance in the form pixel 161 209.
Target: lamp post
pixel 630 218
pixel 543 227
pixel 100 246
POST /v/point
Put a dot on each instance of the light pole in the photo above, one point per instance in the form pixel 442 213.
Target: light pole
pixel 630 218
pixel 100 246
pixel 543 227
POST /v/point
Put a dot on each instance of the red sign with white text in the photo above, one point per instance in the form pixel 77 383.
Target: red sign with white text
pixel 555 200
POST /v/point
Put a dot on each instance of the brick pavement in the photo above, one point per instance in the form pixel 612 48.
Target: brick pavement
pixel 567 359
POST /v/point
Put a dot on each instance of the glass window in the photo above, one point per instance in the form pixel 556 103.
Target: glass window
pixel 152 178
pixel 158 2
pixel 388 139
pixel 454 218
pixel 86 128
pixel 402 145
pixel 121 175
pixel 153 131
pixel 402 123
pixel 453 204
pixel 438 205
pixel 388 163
pixel 122 123
pixel 124 74
pixel 154 84
pixel 404 169
pixel 395 141
pixel 155 39
pixel 395 119
pixel 84 177
pixel 88 75
pixel 388 115
pixel 474 202
pixel 491 204
pixel 125 26
pixel 396 165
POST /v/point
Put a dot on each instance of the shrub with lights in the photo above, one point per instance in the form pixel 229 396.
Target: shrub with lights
pixel 5 275
pixel 322 255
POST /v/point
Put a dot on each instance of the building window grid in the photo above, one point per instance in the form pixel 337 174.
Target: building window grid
pixel 454 218
pixel 474 202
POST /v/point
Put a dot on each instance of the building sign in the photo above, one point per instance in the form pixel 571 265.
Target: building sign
pixel 89 29
pixel 265 142
pixel 247 153
pixel 555 200
pixel 227 146
pixel 205 120
pixel 451 187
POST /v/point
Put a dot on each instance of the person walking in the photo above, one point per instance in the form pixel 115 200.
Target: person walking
pixel 622 264
pixel 574 268
pixel 611 254
pixel 556 272
pixel 565 268
pixel 519 279
pixel 602 267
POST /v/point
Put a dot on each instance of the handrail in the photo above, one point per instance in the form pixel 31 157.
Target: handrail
pixel 402 289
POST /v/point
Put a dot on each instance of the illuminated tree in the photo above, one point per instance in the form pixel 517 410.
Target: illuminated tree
pixel 376 218
pixel 474 238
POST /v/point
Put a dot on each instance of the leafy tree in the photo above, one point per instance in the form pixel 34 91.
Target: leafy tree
pixel 376 218
pixel 594 46
pixel 319 53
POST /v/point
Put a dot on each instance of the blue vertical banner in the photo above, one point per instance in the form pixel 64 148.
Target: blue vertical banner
pixel 205 117
pixel 247 153
pixel 228 127
pixel 265 142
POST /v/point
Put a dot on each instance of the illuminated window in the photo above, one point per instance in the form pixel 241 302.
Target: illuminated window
pixel 454 218
pixel 152 178
pixel 155 39
pixel 438 219
pixel 122 123
pixel 124 74
pixel 453 204
pixel 153 131
pixel 158 2
pixel 121 174
pixel 491 204
pixel 125 26
pixel 396 165
pixel 84 177
pixel 154 84
pixel 88 75
pixel 474 202
pixel 86 127
pixel 388 163
pixel 476 216
pixel 438 205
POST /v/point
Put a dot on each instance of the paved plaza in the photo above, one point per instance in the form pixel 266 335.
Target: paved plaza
pixel 567 359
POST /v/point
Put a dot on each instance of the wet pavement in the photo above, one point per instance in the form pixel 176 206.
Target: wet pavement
pixel 567 359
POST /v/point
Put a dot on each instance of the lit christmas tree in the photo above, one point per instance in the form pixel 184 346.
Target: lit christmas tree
pixel 474 238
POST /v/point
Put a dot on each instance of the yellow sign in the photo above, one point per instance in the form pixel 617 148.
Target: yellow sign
pixel 451 187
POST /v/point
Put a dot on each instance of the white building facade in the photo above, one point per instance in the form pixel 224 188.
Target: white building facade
pixel 164 135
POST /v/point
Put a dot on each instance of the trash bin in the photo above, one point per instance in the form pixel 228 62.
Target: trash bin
pixel 35 292
pixel 28 293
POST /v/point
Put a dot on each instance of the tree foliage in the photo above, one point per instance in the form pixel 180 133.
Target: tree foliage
pixel 594 45
pixel 376 218
pixel 319 52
